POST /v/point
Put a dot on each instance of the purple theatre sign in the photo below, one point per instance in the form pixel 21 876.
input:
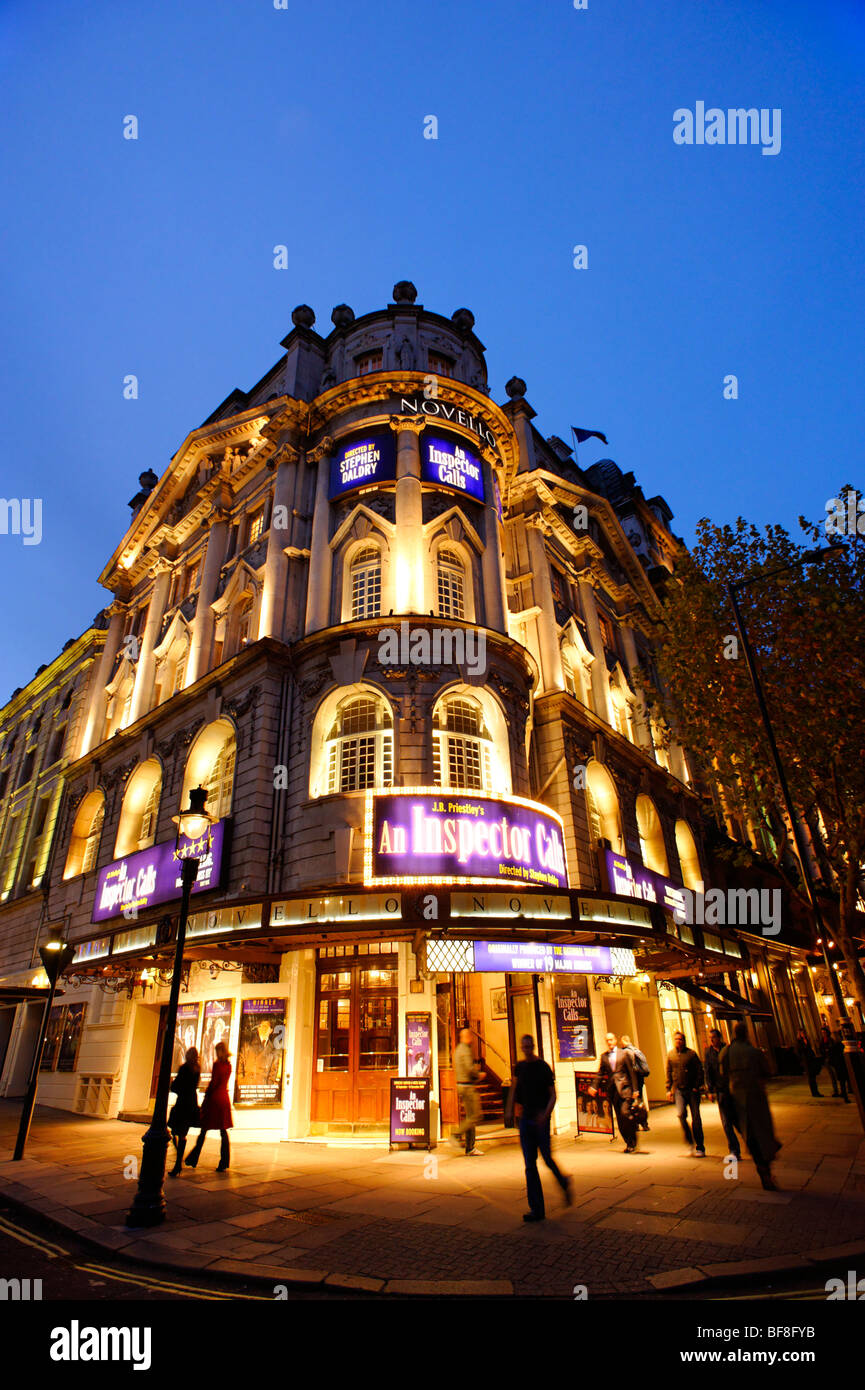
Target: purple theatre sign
pixel 629 880
pixel 152 876
pixel 450 463
pixel 440 837
pixel 371 459
pixel 544 957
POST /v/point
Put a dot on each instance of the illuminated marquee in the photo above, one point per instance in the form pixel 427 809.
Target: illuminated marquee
pixel 438 835
pixel 152 876
pixel 371 459
pixel 450 463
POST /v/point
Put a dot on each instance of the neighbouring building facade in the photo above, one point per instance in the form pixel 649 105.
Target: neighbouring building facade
pixel 394 632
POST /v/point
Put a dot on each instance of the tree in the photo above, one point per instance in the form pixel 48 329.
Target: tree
pixel 807 628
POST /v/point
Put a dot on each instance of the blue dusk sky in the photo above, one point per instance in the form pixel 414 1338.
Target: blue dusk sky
pixel 304 126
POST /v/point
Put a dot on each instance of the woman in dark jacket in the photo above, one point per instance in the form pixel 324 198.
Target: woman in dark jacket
pixel 216 1110
pixel 184 1112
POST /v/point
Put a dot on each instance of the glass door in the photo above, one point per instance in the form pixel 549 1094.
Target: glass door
pixel 357 1045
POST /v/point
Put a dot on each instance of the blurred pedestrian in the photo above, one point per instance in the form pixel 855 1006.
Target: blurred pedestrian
pixel 533 1095
pixel 185 1114
pixel 718 1090
pixel 468 1073
pixel 838 1064
pixel 811 1063
pixel 216 1110
pixel 641 1068
pixel 617 1080
pixel 684 1087
pixel 744 1069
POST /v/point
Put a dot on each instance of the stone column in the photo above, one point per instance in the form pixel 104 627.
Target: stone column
pixel 542 591
pixel 641 722
pixel 286 461
pixel 142 690
pixel 410 561
pixel 600 675
pixel 320 555
pixel 493 567
pixel 202 624
pixel 97 699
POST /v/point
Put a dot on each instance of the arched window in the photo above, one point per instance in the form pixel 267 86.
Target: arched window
pixel 689 860
pixel 605 821
pixel 211 765
pixel 652 845
pixel 366 583
pixel 86 832
pixel 137 828
pixel 462 745
pixel 451 585
pixel 359 745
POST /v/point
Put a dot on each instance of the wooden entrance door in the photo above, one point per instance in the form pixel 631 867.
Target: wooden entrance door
pixel 357 1048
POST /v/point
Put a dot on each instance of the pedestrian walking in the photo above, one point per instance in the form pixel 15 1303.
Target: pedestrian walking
pixel 617 1079
pixel 185 1113
pixel 533 1096
pixel 718 1090
pixel 811 1063
pixel 744 1068
pixel 684 1086
pixel 468 1074
pixel 216 1110
pixel 826 1055
pixel 838 1064
pixel 641 1067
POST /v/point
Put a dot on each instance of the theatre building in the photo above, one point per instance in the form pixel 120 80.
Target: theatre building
pixel 393 631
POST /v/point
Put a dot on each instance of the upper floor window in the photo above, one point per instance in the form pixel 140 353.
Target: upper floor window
pixel 86 833
pixel 369 362
pixel 651 834
pixel 366 583
pixel 451 585
pixel 190 579
pixel 602 802
pixel 8 863
pixel 461 746
pixel 256 526
pixel 211 764
pixel 689 860
pixel 438 365
pixel 360 745
pixel 137 828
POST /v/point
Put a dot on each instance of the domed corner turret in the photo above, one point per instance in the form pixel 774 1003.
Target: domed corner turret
pixel 404 292
pixel 342 316
pixel 303 316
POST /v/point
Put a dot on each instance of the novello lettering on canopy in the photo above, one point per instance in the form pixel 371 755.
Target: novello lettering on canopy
pixel 370 459
pixel 152 876
pixel 449 463
pixel 431 835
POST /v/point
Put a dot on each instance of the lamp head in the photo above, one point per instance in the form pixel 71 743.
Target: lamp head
pixel 194 821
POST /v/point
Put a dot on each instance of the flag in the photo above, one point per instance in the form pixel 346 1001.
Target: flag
pixel 582 435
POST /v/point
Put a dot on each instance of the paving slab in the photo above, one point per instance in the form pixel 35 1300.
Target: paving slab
pixel 717 1232
pixel 662 1199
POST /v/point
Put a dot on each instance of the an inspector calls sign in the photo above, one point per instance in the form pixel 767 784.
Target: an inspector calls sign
pixel 152 876
pixel 445 837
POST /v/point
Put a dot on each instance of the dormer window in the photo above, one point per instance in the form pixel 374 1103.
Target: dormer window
pixel 369 362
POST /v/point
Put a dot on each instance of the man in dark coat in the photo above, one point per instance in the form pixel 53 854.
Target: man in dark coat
pixel 617 1080
pixel 811 1063
pixel 718 1090
pixel 684 1085
pixel 838 1065
pixel 744 1069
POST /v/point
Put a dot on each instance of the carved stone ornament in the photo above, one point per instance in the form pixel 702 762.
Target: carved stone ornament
pixel 324 446
pixel 416 423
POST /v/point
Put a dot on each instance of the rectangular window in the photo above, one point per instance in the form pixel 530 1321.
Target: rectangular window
pixel 439 366
pixel 256 526
pixel 190 579
pixel 369 362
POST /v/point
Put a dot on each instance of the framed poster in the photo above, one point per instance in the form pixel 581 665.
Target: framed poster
pixel 574 1028
pixel 410 1111
pixel 594 1113
pixel 216 1028
pixel 498 1003
pixel 260 1069
pixel 186 1033
pixel 418 1044
pixel 70 1036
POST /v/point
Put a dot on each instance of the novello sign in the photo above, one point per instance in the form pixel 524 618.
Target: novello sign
pixel 152 876
pixel 445 410
pixel 440 836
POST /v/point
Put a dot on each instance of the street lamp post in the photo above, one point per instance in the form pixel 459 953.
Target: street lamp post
pixel 808 557
pixel 148 1208
pixel 56 955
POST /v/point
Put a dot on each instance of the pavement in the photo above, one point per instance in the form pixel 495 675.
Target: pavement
pixel 308 1215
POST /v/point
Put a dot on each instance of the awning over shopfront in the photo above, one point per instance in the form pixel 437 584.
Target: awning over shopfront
pixel 723 1001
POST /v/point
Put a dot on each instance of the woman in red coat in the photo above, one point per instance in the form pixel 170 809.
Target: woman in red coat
pixel 216 1110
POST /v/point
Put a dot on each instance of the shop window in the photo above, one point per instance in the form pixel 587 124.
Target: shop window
pixel 366 583
pixel 461 746
pixel 689 861
pixel 451 585
pixel 86 834
pixel 63 1037
pixel 651 834
pixel 359 745
pixel 605 821
pixel 368 362
pixel 210 765
pixel 676 1015
pixel 137 828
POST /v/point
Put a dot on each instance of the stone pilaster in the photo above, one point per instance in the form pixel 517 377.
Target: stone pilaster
pixel 202 624
pixel 142 691
pixel 410 559
pixel 98 700
pixel 320 557
pixel 287 461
